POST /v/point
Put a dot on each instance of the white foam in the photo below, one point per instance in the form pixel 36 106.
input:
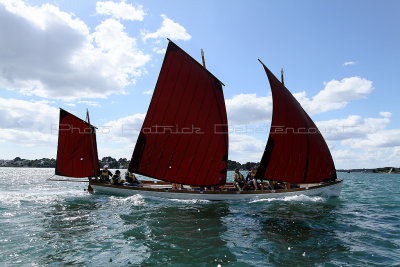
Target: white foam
pixel 136 200
pixel 190 201
pixel 297 198
pixel 40 197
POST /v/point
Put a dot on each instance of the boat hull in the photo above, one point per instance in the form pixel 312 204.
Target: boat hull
pixel 327 190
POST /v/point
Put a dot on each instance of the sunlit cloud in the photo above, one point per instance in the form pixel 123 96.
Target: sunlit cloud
pixel 120 10
pixel 336 95
pixel 89 103
pixel 169 29
pixel 348 63
pixel 148 92
pixel 53 54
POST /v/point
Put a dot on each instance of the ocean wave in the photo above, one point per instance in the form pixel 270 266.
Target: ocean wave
pixel 135 200
pixel 298 198
pixel 43 197
pixel 190 201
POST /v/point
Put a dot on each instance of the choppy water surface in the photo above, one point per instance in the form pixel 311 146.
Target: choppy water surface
pixel 59 223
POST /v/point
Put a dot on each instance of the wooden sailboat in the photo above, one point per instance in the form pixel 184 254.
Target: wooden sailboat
pixel 184 140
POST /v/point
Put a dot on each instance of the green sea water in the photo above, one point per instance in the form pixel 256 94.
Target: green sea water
pixel 45 223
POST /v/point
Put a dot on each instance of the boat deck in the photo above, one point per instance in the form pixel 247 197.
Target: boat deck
pixel 228 187
pixel 228 192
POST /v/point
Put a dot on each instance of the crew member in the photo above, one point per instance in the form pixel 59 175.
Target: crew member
pixel 131 179
pixel 116 178
pixel 105 174
pixel 238 180
pixel 252 181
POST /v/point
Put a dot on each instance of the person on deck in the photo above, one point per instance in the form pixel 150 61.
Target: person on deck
pixel 116 179
pixel 105 174
pixel 252 181
pixel 131 179
pixel 176 186
pixel 238 180
pixel 271 184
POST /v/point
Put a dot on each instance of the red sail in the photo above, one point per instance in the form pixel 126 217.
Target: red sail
pixel 77 148
pixel 184 138
pixel 296 152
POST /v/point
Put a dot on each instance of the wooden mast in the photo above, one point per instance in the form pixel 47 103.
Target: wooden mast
pixel 202 58
pixel 283 83
pixel 176 186
pixel 204 65
pixel 90 189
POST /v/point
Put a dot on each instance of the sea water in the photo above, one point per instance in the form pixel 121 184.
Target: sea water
pixel 44 222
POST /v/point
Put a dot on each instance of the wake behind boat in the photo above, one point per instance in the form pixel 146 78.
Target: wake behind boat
pixel 184 140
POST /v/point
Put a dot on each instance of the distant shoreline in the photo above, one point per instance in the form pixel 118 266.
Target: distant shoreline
pixel 391 170
pixel 112 163
pixel 123 163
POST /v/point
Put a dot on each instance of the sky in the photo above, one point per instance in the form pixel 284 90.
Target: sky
pixel 340 61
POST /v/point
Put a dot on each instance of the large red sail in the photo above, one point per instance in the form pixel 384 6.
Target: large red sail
pixel 77 148
pixel 184 137
pixel 296 152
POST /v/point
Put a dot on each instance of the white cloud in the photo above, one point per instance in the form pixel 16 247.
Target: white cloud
pixel 148 92
pixel 159 50
pixel 381 139
pixel 120 10
pixel 52 54
pixel 351 127
pixel 28 138
pixel 45 16
pixel 385 114
pixel 336 95
pixel 169 29
pixel 124 130
pixel 349 63
pixel 367 158
pixel 25 115
pixel 124 151
pixel 245 109
pixel 364 142
pixel 28 123
pixel 89 103
pixel 244 148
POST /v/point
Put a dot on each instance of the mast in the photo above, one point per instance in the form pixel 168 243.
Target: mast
pixel 90 189
pixel 92 131
pixel 202 58
pixel 283 82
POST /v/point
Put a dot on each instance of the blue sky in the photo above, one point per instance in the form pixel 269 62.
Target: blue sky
pixel 340 60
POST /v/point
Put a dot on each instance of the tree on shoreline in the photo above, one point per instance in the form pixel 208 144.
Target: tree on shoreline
pixel 112 163
pixel 123 163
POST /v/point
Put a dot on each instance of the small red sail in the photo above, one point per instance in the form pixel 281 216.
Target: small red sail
pixel 184 137
pixel 77 149
pixel 296 152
